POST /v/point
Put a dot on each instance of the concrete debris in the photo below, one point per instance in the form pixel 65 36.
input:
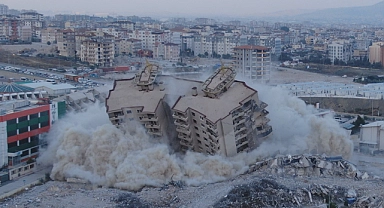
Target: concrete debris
pixel 309 165
pixel 128 200
pixel 268 193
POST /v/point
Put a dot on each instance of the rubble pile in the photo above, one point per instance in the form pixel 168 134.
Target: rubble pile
pixel 309 165
pixel 268 193
pixel 128 200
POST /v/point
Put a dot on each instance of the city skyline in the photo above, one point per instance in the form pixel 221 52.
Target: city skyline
pixel 243 8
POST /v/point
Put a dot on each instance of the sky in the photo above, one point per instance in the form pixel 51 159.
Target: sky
pixel 181 7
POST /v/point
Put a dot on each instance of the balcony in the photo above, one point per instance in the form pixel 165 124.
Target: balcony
pixel 263 133
pixel 181 124
pixel 155 133
pixel 240 136
pixel 186 143
pixel 152 126
pixel 180 117
pixel 240 129
pixel 149 118
pixel 236 115
pixel 183 130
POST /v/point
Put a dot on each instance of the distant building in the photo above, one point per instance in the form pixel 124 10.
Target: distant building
pixel 66 43
pixel 219 116
pixel 3 9
pixel 376 53
pixel 48 35
pixel 98 51
pixel 372 137
pixel 35 21
pixel 253 62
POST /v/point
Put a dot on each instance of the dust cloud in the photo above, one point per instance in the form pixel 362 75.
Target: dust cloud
pixel 86 145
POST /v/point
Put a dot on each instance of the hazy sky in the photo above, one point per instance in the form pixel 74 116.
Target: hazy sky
pixel 181 7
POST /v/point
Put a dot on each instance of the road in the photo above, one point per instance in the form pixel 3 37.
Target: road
pixel 23 182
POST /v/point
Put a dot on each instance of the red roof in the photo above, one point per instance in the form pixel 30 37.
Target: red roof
pixel 251 47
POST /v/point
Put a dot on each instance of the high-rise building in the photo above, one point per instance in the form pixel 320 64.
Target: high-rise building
pixel 219 116
pixel 3 9
pixel 253 62
pixel 98 51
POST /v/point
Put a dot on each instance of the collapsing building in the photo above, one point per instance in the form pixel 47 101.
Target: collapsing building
pixel 219 116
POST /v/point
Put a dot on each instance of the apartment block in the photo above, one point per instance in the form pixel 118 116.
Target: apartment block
pixel 66 42
pixel 253 62
pixel 376 53
pixel 219 116
pixel 10 28
pixel 128 45
pixel 98 51
pixel 35 21
pixel 48 35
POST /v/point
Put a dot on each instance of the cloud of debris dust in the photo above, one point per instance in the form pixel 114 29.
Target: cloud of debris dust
pixel 297 129
pixel 86 145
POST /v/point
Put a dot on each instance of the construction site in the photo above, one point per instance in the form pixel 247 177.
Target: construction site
pixel 121 154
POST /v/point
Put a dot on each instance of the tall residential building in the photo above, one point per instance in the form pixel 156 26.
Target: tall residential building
pixel 253 62
pixel 35 21
pixel 376 53
pixel 341 51
pixel 98 51
pixel 219 116
pixel 66 42
pixel 3 9
pixel 10 27
pixel 48 35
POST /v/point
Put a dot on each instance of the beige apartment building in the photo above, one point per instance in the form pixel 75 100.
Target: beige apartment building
pixel 48 35
pixel 98 51
pixel 376 53
pixel 128 45
pixel 219 116
pixel 66 42
pixel 253 62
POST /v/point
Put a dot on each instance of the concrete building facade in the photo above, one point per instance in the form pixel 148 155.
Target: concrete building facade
pixel 219 116
pixel 253 62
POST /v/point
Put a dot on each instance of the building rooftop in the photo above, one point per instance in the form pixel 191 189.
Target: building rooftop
pixel 178 93
pixel 216 108
pixel 14 88
pixel 49 85
pixel 373 124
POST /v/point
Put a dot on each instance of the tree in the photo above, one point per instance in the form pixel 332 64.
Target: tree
pixel 206 54
pixel 49 43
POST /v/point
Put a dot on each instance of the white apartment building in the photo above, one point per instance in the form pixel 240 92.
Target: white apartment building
pixel 219 116
pixel 148 38
pixel 34 20
pixel 3 9
pixel 340 50
pixel 253 62
pixel 203 44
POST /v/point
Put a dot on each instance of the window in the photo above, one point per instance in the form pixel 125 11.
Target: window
pixel 12 121
pixel 196 128
pixel 194 121
pixel 44 113
pixel 33 116
pixel 129 111
pixel 193 114
pixel 198 141
pixel 23 118
pixel 198 135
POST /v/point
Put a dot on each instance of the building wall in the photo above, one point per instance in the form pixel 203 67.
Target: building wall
pixel 3 144
pixel 22 132
pixel 253 64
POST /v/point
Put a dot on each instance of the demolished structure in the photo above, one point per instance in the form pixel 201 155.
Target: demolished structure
pixel 219 116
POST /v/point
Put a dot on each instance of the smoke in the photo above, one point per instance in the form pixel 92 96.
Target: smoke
pixel 86 145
